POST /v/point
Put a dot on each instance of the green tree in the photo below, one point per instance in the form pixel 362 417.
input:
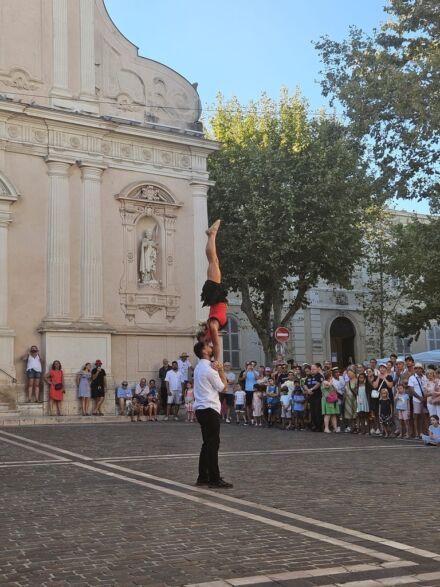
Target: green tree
pixel 415 263
pixel 389 87
pixel 292 193
pixel 382 296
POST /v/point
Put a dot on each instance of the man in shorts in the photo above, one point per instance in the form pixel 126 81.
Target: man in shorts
pixel 173 382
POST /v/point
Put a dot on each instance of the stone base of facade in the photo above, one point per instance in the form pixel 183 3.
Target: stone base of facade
pixel 7 368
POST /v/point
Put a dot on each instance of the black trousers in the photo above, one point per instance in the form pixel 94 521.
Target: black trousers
pixel 315 410
pixel 209 421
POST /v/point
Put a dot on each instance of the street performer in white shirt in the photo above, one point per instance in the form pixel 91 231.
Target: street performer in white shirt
pixel 209 381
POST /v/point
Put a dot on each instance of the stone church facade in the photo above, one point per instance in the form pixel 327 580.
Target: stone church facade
pixel 103 185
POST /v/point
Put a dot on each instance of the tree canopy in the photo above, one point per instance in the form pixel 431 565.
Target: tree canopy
pixel 389 87
pixel 382 297
pixel 415 263
pixel 292 192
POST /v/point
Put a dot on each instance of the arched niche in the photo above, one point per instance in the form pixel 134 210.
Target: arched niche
pixel 148 211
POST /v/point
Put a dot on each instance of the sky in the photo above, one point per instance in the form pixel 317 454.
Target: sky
pixel 243 47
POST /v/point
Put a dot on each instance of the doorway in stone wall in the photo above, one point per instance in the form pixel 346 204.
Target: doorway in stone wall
pixel 342 335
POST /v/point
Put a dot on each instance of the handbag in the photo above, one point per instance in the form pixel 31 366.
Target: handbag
pixel 332 397
pixel 58 386
pixel 375 393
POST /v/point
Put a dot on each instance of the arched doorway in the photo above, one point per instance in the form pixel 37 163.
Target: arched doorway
pixel 342 334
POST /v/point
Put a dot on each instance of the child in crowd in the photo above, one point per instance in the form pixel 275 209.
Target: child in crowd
pixel 133 408
pixel 257 404
pixel 362 404
pixel 189 401
pixel 298 400
pixel 402 407
pixel 272 399
pixel 286 408
pixel 385 412
pixel 151 402
pixel 433 436
pixel 240 402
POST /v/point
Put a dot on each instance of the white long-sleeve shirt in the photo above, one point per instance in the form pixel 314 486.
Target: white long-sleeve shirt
pixel 207 386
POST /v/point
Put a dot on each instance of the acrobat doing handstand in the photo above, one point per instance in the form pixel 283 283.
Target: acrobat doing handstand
pixel 214 294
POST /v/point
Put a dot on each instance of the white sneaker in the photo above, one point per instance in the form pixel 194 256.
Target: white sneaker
pixel 378 432
pixel 348 429
pixel 338 429
pixel 228 421
pixel 176 418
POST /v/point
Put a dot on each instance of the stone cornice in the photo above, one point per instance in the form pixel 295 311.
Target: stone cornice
pixel 143 150
pixel 58 119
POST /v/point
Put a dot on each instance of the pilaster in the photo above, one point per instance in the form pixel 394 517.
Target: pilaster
pixel 58 242
pixel 200 224
pixel 60 58
pixel 92 309
pixel 7 369
pixel 87 62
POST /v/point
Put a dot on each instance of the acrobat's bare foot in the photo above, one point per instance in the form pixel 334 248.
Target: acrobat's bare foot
pixel 214 227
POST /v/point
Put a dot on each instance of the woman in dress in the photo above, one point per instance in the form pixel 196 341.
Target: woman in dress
pixel 350 401
pixel 83 386
pixel 55 379
pixel 432 393
pixel 362 403
pixel 329 403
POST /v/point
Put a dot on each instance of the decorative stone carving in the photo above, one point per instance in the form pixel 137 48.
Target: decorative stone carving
pixel 19 79
pixel 147 286
pixel 150 309
pixel 341 298
pixel 126 104
pixel 13 131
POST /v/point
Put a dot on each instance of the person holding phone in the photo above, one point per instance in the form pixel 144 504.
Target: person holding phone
pixel 98 387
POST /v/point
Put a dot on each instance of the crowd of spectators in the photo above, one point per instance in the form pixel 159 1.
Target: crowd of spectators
pixel 398 398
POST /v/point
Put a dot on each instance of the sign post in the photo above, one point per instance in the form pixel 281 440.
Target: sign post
pixel 281 335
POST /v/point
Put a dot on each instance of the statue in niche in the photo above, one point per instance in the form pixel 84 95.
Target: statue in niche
pixel 148 262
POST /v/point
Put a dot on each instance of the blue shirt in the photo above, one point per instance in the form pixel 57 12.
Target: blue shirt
pixel 250 381
pixel 435 430
pixel 271 401
pixel 298 397
pixel 124 392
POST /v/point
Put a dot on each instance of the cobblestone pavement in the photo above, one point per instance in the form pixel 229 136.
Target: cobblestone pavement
pixel 115 504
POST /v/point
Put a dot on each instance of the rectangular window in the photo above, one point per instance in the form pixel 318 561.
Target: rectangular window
pixel 403 345
pixel 231 343
pixel 433 337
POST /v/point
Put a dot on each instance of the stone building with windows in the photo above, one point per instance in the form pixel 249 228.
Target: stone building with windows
pixel 103 185
pixel 332 327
